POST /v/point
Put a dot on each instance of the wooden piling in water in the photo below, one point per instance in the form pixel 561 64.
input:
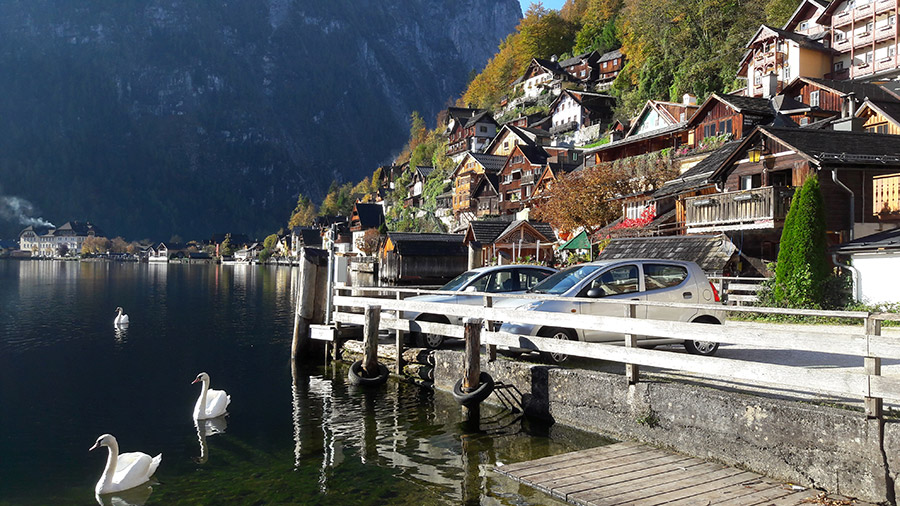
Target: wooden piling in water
pixel 472 366
pixel 370 340
pixel 311 288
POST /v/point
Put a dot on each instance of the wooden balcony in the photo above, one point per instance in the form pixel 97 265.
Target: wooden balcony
pixel 863 39
pixel 884 5
pixel 864 10
pixel 759 208
pixel 844 18
pixel 842 45
pixel 887 63
pixel 884 32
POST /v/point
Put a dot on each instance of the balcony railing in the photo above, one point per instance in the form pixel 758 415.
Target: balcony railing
pixel 883 5
pixel 884 32
pixel 842 45
pixel 528 179
pixel 565 127
pixel 759 208
pixel 862 39
pixel 842 19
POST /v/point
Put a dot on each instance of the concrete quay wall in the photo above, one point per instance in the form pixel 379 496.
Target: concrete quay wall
pixel 838 450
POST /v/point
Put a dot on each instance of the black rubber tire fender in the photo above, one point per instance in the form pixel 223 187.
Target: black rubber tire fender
pixel 355 375
pixel 475 397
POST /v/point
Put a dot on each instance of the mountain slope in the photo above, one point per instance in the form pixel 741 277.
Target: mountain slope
pixel 157 117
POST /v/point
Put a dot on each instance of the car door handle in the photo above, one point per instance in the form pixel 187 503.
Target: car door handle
pixel 688 295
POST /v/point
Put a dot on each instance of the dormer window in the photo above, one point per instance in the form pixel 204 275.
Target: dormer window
pixel 803 26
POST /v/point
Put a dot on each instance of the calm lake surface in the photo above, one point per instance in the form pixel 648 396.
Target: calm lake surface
pixel 292 436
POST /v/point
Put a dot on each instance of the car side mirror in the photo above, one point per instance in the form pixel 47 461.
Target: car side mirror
pixel 595 293
pixel 470 288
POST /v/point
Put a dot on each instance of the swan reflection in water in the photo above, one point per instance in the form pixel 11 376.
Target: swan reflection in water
pixel 121 333
pixel 208 427
pixel 136 496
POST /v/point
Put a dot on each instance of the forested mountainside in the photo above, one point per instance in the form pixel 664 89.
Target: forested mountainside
pixel 160 117
pixel 672 47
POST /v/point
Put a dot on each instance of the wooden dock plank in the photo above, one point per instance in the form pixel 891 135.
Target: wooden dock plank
pixel 695 494
pixel 632 474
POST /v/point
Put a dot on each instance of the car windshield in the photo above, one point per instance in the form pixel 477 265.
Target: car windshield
pixel 460 281
pixel 563 280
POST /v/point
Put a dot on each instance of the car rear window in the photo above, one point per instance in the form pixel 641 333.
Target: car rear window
pixel 658 276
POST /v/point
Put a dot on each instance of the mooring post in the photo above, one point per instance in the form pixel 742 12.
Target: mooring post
pixel 631 370
pixel 370 340
pixel 398 338
pixel 872 365
pixel 472 372
pixel 491 348
pixel 305 305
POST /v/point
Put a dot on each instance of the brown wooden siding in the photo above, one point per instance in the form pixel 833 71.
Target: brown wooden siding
pixel 717 117
pixel 828 100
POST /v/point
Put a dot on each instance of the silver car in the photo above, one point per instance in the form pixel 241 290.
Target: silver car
pixel 626 279
pixel 494 279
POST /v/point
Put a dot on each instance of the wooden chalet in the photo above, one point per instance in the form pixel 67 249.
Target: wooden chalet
pixel 487 196
pixel 657 115
pixel 573 110
pixel 465 178
pixel 526 121
pixel 410 258
pixel 417 185
pixel 759 178
pixel 658 126
pixel 833 99
pixel 880 117
pixel 305 237
pixel 507 241
pixel 522 169
pixel 805 19
pixel 469 130
pixel 731 115
pixel 541 76
pixel 583 68
pixel 696 181
pixel 510 136
pixel 364 217
pixel 775 57
pixel 609 65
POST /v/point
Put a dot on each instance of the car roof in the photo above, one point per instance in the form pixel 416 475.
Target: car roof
pixel 603 263
pixel 491 268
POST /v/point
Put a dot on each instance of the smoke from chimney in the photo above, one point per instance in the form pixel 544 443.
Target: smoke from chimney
pixel 20 210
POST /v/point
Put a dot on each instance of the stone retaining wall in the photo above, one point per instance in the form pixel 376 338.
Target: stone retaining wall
pixel 834 449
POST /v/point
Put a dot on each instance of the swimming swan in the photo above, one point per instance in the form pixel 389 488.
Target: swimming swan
pixel 211 403
pixel 124 471
pixel 121 318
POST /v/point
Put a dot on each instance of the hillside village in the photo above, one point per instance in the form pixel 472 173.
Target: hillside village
pixel 550 174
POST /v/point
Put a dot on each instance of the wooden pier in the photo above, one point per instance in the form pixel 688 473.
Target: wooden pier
pixel 634 474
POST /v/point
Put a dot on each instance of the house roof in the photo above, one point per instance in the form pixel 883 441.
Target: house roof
pixel 432 245
pixel 615 53
pixel 534 154
pixel 889 240
pixel 37 229
pixel 699 174
pixel 743 105
pixel 540 227
pixel 491 163
pixel 819 5
pixel 486 231
pixel 710 252
pixel 491 180
pixel 309 236
pixel 890 110
pixel 369 215
pixel 575 60
pixel 678 127
pixel 843 88
pixel 801 40
pixel 483 116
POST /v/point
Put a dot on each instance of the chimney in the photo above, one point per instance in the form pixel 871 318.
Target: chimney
pixel 554 58
pixel 689 99
pixel 770 85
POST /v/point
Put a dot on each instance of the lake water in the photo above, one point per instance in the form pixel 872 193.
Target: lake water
pixel 292 436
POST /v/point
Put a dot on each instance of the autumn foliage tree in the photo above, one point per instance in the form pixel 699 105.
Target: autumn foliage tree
pixel 304 213
pixel 370 240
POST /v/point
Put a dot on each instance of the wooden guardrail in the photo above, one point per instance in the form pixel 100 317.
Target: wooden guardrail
pixel 867 343
pixel 738 290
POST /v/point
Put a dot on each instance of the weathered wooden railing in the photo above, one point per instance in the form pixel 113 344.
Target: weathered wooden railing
pixel 738 290
pixel 868 344
pixel 748 209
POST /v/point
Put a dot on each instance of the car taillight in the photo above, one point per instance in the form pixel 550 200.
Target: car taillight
pixel 715 292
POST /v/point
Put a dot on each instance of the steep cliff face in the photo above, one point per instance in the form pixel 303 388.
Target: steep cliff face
pixel 155 117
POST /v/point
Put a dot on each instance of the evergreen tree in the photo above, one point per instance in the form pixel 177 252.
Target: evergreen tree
pixel 802 269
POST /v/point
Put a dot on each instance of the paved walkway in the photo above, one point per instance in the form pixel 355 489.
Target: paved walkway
pixel 634 474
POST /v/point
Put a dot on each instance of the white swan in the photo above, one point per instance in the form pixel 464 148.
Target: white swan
pixel 124 471
pixel 211 403
pixel 121 318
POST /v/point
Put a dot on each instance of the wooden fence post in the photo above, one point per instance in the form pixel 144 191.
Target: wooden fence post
pixel 370 340
pixel 872 365
pixel 398 337
pixel 472 366
pixel 491 348
pixel 631 370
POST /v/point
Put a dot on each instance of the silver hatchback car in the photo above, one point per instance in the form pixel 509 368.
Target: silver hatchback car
pixel 494 279
pixel 627 279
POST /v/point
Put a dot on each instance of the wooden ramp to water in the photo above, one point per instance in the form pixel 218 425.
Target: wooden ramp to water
pixel 630 473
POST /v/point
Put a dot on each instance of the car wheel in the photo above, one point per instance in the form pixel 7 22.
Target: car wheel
pixel 704 348
pixel 568 335
pixel 428 340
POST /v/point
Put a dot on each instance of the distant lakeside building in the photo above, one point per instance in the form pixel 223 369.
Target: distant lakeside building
pixel 49 241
